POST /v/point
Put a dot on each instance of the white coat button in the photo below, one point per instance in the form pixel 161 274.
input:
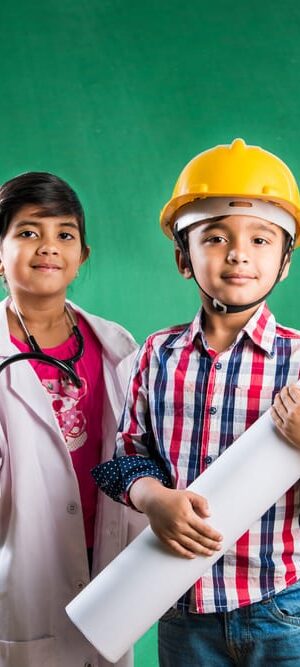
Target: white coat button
pixel 80 585
pixel 72 508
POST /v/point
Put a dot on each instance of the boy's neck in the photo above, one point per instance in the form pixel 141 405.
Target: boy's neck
pixel 221 329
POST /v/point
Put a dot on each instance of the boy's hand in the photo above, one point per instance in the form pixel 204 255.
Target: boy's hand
pixel 177 518
pixel 285 413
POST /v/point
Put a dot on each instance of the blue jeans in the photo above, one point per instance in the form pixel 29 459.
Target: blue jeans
pixel 264 634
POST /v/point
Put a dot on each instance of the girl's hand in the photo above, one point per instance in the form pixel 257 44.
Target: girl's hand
pixel 285 413
pixel 178 518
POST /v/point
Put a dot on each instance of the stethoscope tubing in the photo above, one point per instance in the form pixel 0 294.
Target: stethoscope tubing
pixel 63 365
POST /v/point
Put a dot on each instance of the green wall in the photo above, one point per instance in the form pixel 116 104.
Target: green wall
pixel 116 96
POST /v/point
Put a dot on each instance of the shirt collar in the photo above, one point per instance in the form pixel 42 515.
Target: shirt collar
pixel 261 328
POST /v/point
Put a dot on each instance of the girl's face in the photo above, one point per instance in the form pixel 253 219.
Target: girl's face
pixel 40 255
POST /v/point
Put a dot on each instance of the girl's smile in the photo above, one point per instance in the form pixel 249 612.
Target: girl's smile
pixel 40 254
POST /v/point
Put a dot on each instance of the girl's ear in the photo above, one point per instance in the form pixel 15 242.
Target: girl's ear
pixel 85 254
pixel 182 266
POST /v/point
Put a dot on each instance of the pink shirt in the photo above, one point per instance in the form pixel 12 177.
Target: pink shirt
pixel 78 411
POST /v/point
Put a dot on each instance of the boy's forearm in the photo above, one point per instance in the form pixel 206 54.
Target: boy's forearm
pixel 144 491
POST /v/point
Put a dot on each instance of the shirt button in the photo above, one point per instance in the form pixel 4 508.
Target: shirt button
pixel 218 366
pixel 208 460
pixel 212 410
pixel 72 508
pixel 88 664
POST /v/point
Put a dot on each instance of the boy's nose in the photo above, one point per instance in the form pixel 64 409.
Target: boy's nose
pixel 237 255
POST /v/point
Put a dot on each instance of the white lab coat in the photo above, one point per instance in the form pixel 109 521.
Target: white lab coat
pixel 43 562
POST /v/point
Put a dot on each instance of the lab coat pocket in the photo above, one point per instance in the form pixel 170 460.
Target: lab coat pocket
pixel 250 403
pixel 34 653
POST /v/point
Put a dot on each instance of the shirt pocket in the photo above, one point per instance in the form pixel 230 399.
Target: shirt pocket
pixel 250 403
pixel 33 653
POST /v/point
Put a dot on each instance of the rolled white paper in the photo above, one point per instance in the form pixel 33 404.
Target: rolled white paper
pixel 135 589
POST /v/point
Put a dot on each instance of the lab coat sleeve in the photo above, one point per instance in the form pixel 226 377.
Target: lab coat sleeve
pixel 135 454
pixel 5 486
pixel 3 453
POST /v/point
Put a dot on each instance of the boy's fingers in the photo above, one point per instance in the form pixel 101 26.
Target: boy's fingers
pixel 281 400
pixel 279 408
pixel 294 393
pixel 199 504
pixel 288 397
pixel 201 528
pixel 179 549
pixel 188 549
pixel 205 547
pixel 276 418
pixel 212 544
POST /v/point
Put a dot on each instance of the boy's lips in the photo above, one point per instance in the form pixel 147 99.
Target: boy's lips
pixel 238 276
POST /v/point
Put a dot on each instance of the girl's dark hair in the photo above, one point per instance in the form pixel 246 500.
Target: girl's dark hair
pixel 51 194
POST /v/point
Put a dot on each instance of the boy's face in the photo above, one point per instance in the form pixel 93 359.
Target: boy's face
pixel 236 259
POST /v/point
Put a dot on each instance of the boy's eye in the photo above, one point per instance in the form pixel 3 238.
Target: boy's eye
pixel 215 239
pixel 260 241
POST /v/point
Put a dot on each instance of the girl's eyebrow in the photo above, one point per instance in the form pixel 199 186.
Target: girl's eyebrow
pixel 32 223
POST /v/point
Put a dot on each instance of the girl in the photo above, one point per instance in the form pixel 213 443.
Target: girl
pixel 59 408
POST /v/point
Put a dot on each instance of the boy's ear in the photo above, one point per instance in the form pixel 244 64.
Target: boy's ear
pixel 182 265
pixel 85 254
pixel 285 271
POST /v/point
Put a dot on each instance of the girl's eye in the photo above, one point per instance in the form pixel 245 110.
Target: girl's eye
pixel 28 234
pixel 65 236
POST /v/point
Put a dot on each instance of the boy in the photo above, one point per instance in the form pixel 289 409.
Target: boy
pixel 195 388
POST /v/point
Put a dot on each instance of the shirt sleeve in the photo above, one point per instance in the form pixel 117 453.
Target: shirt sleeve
pixel 136 454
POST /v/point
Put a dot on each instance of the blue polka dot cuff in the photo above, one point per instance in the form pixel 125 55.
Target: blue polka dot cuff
pixel 116 476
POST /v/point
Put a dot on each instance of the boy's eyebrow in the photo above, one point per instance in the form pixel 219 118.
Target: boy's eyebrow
pixel 218 224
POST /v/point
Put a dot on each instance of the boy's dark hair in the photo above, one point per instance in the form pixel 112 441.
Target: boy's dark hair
pixel 50 193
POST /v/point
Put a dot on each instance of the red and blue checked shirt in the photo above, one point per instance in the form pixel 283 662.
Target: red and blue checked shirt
pixel 185 405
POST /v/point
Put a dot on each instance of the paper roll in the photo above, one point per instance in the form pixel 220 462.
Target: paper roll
pixel 135 589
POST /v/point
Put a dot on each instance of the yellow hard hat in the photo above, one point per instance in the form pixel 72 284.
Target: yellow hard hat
pixel 235 170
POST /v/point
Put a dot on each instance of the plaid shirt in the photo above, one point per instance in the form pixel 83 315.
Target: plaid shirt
pixel 186 404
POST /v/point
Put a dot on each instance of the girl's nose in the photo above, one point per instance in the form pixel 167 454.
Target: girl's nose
pixel 47 249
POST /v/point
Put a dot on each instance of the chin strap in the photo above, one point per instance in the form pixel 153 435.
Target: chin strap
pixel 182 242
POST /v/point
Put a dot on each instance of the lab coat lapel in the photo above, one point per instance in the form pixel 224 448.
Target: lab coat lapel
pixel 119 351
pixel 21 379
pixel 25 384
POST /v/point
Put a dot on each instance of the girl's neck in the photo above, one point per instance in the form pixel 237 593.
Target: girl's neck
pixel 45 319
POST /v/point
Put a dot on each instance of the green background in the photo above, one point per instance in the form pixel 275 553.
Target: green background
pixel 115 97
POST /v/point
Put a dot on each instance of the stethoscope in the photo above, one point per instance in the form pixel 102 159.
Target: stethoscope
pixel 65 365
